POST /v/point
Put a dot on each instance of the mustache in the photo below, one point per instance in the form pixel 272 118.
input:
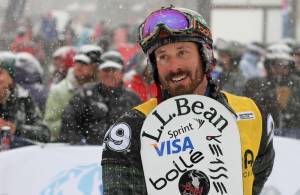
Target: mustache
pixel 177 73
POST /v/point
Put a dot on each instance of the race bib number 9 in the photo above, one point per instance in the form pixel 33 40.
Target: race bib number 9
pixel 118 137
pixel 191 145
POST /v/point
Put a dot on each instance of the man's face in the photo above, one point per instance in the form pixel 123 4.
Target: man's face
pixel 59 64
pixel 84 73
pixel 110 77
pixel 180 68
pixel 280 72
pixel 280 68
pixel 5 83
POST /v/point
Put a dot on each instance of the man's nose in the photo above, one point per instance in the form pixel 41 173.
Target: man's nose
pixel 175 63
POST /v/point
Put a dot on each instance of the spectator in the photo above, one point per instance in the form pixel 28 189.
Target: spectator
pixel 29 74
pixel 94 52
pixel 251 61
pixel 115 56
pixel 96 106
pixel 84 71
pixel 141 81
pixel 69 34
pixel 40 50
pixel 48 28
pixel 138 80
pixel 48 31
pixel 23 42
pixel 62 61
pixel 17 109
pixel 85 36
pixel 231 78
pixel 279 90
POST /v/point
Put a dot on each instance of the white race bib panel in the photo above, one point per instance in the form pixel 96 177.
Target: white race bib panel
pixel 191 145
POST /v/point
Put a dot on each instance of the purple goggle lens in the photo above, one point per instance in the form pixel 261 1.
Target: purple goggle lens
pixel 173 19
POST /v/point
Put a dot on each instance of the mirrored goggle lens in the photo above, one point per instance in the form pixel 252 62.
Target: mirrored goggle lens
pixel 172 19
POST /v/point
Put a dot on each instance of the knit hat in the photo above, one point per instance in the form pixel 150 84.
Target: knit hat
pixel 114 56
pixel 110 64
pixel 82 58
pixel 7 62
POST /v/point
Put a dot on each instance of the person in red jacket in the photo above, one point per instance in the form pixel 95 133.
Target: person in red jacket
pixel 22 42
pixel 141 81
pixel 62 61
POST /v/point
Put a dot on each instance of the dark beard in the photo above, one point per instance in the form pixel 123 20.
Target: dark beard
pixel 181 90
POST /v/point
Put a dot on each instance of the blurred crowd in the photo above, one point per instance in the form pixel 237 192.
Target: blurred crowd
pixel 70 87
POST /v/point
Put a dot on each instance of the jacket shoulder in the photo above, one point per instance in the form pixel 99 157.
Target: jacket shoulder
pixel 130 93
pixel 240 103
pixel 147 107
pixel 250 120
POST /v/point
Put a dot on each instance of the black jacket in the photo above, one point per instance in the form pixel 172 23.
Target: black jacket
pixel 21 111
pixel 279 98
pixel 92 110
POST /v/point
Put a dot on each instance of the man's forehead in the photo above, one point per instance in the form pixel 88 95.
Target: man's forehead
pixel 111 69
pixel 83 63
pixel 177 45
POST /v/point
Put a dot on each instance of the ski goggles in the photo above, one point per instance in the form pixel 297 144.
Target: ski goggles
pixel 172 20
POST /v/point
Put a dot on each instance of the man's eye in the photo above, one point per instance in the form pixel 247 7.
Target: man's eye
pixel 162 57
pixel 182 53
